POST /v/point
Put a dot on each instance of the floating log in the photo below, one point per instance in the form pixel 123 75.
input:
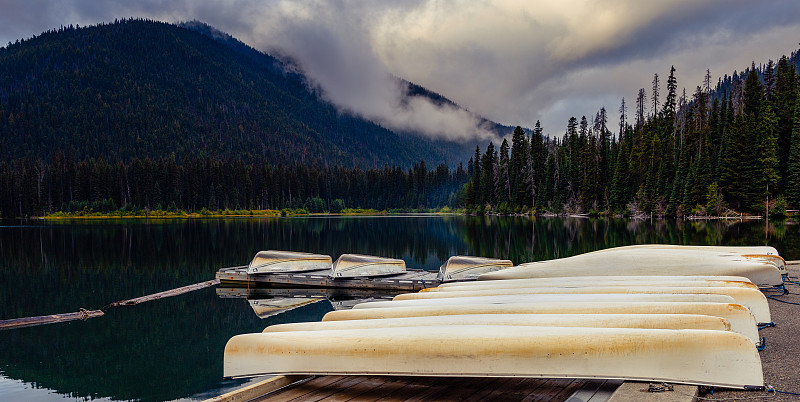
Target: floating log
pixel 167 293
pixel 49 319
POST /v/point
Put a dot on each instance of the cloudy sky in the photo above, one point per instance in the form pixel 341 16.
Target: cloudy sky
pixel 512 61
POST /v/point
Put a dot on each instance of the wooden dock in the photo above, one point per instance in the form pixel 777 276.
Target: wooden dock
pixel 393 388
pixel 413 280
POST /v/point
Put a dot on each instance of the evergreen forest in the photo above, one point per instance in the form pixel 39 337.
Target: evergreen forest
pixel 88 125
pixel 726 149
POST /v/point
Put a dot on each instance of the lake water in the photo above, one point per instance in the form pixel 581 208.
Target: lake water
pixel 172 348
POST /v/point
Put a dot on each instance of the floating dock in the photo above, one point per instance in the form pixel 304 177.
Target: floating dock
pixel 412 280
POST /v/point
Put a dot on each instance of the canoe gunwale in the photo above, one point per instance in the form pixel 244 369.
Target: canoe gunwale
pixel 555 376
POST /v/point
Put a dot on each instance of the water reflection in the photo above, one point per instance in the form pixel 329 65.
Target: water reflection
pixel 172 348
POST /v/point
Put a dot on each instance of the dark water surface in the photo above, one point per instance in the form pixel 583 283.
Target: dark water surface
pixel 172 348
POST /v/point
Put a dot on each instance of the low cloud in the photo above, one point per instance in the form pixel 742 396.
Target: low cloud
pixel 512 61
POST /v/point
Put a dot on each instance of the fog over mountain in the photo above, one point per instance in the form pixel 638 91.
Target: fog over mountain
pixel 513 62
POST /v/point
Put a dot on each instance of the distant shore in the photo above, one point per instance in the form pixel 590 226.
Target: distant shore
pixel 270 213
pixel 238 213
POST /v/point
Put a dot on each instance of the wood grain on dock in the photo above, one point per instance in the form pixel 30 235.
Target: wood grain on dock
pixel 393 388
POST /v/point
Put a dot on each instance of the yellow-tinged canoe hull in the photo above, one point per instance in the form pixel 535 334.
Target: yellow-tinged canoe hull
pixel 703 357
pixel 647 321
pixel 640 263
pixel 739 317
pixel 750 298
pixel 554 281
pixel 534 283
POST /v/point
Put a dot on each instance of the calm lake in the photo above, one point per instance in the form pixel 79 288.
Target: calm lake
pixel 172 348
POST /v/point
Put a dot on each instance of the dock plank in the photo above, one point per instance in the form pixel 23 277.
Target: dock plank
pixel 412 388
pixel 471 386
pixel 552 388
pixel 605 391
pixel 386 386
pixel 513 389
pixel 439 390
pixel 299 390
pixel 337 391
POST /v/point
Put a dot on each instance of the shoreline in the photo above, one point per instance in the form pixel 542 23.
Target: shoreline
pixel 281 214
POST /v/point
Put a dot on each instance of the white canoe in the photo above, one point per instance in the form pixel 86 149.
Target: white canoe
pixel 750 298
pixel 768 250
pixel 740 318
pixel 357 265
pixel 651 321
pixel 755 253
pixel 462 267
pixel 641 263
pixel 269 307
pixel 623 278
pixel 275 261
pixel 703 357
pixel 533 283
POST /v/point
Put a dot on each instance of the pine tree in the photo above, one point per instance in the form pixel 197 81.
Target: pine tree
pixel 475 181
pixel 487 181
pixel 767 162
pixel 537 172
pixel 784 101
pixel 753 95
pixel 503 185
pixel 793 173
pixel 669 102
pixel 519 155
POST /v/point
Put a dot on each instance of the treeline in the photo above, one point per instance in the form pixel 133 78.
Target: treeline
pixel 32 187
pixel 697 154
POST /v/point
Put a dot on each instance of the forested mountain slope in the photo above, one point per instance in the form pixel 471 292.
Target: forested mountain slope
pixel 144 89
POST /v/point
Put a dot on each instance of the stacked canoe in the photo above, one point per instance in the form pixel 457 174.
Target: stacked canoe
pixel 689 322
pixel 346 266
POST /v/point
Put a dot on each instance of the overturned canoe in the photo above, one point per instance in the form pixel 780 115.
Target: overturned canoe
pixel 754 253
pixel 621 278
pixel 461 267
pixel 269 307
pixel 534 283
pixel 703 357
pixel 753 299
pixel 651 321
pixel 275 261
pixel 357 265
pixel 548 297
pixel 740 318
pixel 769 250
pixel 641 262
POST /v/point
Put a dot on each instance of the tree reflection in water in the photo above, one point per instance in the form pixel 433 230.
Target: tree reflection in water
pixel 172 348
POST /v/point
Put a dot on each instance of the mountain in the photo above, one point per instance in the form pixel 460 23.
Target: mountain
pixel 145 89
